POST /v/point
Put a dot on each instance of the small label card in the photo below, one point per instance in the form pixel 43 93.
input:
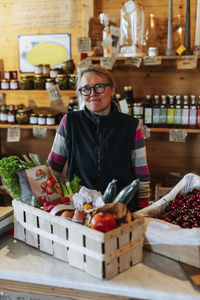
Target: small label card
pixel 152 60
pixel 177 135
pixel 54 93
pixel 146 132
pixel 107 62
pixel 187 62
pixel 85 63
pixel 39 132
pixel 135 61
pixel 84 44
pixel 123 106
pixel 13 134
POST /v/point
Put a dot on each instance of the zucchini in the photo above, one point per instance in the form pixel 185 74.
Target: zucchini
pixel 110 192
pixel 128 192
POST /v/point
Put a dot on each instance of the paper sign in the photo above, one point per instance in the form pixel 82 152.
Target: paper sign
pixel 135 61
pixel 9 295
pixel 177 135
pixel 39 132
pixel 152 60
pixel 187 62
pixel 107 62
pixel 13 134
pixel 84 44
pixel 146 131
pixel 54 93
pixel 84 63
pixel 124 106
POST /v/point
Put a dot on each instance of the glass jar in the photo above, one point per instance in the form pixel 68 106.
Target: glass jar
pixel 5 84
pixel 54 72
pixel 68 66
pixel 22 116
pixel 72 81
pixel 50 119
pixel 13 74
pixel 38 69
pixel 49 82
pixel 41 119
pixel 26 82
pixel 46 69
pixel 14 85
pixel 4 114
pixel 11 114
pixel 39 82
pixel 7 75
pixel 63 81
pixel 33 119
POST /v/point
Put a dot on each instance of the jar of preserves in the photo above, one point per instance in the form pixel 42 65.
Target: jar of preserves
pixel 26 82
pixel 22 116
pixel 50 119
pixel 72 81
pixel 33 119
pixel 4 114
pixel 39 82
pixel 49 82
pixel 5 84
pixel 54 72
pixel 14 85
pixel 46 69
pixel 38 69
pixel 68 66
pixel 7 75
pixel 11 114
pixel 63 81
pixel 13 74
pixel 41 119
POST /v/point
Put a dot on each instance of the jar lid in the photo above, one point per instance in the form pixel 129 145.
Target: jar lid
pixel 50 115
pixel 4 80
pixel 21 111
pixel 41 115
pixel 38 75
pixel 33 115
pixel 13 80
pixel 49 79
pixel 61 75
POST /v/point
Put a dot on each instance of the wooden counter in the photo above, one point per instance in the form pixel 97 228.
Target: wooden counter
pixel 25 269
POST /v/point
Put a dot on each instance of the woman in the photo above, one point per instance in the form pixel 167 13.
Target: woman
pixel 99 143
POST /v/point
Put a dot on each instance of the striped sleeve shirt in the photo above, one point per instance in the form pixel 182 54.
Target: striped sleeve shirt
pixel 58 156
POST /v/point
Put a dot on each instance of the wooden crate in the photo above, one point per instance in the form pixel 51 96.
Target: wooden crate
pixel 103 255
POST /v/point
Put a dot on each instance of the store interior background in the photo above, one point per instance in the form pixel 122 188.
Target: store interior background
pixel 164 158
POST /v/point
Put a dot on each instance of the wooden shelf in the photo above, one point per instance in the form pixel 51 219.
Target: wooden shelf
pixel 36 92
pixel 189 130
pixel 27 126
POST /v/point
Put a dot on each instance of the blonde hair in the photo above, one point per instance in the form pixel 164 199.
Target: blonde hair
pixel 95 69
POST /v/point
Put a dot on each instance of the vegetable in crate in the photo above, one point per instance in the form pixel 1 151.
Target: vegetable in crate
pixel 127 193
pixel 9 167
pixel 110 192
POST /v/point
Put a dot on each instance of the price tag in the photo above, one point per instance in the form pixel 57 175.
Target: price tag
pixel 54 93
pixel 187 62
pixel 146 132
pixel 107 62
pixel 39 132
pixel 13 134
pixel 177 135
pixel 85 63
pixel 135 61
pixel 84 44
pixel 123 106
pixel 152 60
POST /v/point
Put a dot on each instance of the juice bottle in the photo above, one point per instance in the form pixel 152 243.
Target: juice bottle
pixel 156 112
pixel 148 111
pixel 163 111
pixel 185 112
pixel 178 112
pixel 193 112
pixel 198 113
pixel 170 112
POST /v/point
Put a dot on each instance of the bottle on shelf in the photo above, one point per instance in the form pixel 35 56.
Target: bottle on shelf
pixel 4 114
pixel 148 111
pixel 198 113
pixel 170 112
pixel 192 112
pixel 185 112
pixel 116 100
pixel 128 94
pixel 177 112
pixel 156 112
pixel 163 111
pixel 11 114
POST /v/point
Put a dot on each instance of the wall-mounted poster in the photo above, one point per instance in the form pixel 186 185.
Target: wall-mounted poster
pixel 35 49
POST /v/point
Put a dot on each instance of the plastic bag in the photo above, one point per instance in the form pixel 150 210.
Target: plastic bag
pixel 132 29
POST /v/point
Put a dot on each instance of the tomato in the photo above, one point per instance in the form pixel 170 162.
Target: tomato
pixel 50 182
pixel 56 202
pixel 42 198
pixel 38 172
pixel 47 203
pixel 103 222
pixel 49 190
pixel 65 200
pixel 43 185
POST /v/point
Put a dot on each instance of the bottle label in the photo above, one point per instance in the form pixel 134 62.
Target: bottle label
pixel 163 115
pixel 185 116
pixel 3 117
pixel 170 116
pixel 177 116
pixel 193 116
pixel 148 115
pixel 11 118
pixel 198 117
pixel 156 115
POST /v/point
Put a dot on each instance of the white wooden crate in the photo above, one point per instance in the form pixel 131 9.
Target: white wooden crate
pixel 103 255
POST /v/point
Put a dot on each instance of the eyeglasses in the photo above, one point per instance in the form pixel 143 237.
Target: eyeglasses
pixel 98 88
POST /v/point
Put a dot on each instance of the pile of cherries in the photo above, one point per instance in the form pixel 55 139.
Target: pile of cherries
pixel 184 210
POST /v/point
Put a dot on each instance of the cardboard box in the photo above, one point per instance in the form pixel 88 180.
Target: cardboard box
pixel 103 255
